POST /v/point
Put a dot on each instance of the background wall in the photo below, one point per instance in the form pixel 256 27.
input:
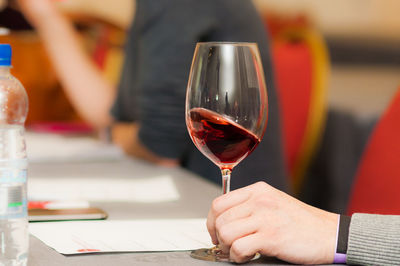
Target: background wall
pixel 363 37
pixel 352 18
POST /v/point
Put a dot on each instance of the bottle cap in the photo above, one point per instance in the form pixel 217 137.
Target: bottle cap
pixel 5 55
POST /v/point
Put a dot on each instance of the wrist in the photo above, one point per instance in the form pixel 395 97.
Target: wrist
pixel 325 248
pixel 41 19
pixel 332 227
pixel 51 24
pixel 39 14
pixel 342 239
pixel 338 257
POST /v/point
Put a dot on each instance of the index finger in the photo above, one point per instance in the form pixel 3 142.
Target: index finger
pixel 222 204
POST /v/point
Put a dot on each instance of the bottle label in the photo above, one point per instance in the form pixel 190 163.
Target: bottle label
pixel 12 176
pixel 13 194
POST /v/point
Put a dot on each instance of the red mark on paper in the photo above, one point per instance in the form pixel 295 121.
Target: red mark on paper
pixel 88 250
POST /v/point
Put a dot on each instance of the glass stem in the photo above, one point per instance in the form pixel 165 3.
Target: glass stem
pixel 226 180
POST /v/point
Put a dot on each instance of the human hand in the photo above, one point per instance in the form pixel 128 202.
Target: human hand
pixel 260 218
pixel 126 136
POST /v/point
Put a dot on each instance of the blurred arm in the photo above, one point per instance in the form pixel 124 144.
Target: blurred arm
pixel 89 92
pixel 116 12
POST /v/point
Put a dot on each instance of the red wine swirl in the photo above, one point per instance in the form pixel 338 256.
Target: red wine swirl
pixel 223 141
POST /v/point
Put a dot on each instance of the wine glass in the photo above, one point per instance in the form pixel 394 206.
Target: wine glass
pixel 226 109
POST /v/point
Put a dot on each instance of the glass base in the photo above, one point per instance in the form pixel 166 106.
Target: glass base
pixel 209 254
pixel 213 254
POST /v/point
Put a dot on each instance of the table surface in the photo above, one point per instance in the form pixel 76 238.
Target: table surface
pixel 196 195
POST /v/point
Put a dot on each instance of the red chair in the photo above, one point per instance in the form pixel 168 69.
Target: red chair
pixel 377 184
pixel 301 65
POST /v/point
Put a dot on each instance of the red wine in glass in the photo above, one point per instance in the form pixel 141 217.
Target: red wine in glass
pixel 223 141
pixel 226 109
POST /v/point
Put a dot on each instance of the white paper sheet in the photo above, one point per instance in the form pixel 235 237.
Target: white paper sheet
pixel 123 236
pixel 152 189
pixel 45 147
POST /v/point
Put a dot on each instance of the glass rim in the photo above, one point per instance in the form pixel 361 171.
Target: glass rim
pixel 228 43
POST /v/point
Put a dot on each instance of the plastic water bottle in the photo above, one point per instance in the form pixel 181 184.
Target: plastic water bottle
pixel 14 237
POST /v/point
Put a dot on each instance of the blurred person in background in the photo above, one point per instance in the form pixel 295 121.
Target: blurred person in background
pixel 147 109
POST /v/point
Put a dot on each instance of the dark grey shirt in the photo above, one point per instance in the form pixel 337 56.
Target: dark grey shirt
pixel 152 91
